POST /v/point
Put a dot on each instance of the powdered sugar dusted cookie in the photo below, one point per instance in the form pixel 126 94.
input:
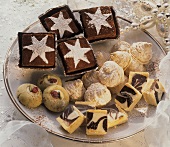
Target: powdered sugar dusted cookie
pixel 97 93
pixel 141 51
pixel 111 74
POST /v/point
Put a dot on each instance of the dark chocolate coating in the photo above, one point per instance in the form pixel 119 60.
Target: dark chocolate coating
pixel 68 63
pixel 66 113
pixel 24 39
pixel 105 32
pixel 93 125
pixel 67 13
pixel 138 80
pixel 125 95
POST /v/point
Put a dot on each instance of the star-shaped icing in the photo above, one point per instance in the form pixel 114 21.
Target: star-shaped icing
pixel 77 52
pixel 61 24
pixel 39 48
pixel 98 19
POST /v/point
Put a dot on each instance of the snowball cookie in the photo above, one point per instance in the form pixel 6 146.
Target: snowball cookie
pixel 75 89
pixel 116 90
pixel 141 51
pixel 90 77
pixel 29 95
pixel 48 80
pixel 135 66
pixel 55 98
pixel 122 58
pixel 102 57
pixel 124 46
pixel 111 74
pixel 97 93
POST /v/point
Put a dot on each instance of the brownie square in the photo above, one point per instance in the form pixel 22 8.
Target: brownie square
pixel 99 23
pixel 36 49
pixel 61 21
pixel 77 55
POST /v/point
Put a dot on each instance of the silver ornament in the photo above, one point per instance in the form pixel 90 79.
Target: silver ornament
pixel 166 41
pixel 163 29
pixel 147 22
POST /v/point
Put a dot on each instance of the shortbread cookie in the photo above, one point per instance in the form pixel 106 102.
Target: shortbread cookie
pixel 97 93
pixel 111 74
pixel 128 97
pixel 153 92
pixel 71 119
pixel 96 122
pixel 75 89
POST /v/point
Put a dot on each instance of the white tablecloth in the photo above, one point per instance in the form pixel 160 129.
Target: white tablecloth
pixel 15 16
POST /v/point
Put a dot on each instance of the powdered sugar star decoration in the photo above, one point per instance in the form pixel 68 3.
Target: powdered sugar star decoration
pixel 77 52
pixel 39 48
pixel 61 24
pixel 99 19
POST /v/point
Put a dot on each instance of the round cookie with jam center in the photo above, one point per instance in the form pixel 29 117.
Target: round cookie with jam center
pixel 55 98
pixel 48 80
pixel 29 95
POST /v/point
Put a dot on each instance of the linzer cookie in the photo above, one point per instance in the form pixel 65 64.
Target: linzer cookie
pixel 138 79
pixel 71 119
pixel 77 55
pixel 96 122
pixel 128 97
pixel 37 50
pixel 153 91
pixel 115 115
pixel 99 23
pixel 61 21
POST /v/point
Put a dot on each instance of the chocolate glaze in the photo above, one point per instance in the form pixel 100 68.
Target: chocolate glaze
pixel 125 95
pixel 66 113
pixel 154 87
pixel 93 125
pixel 138 80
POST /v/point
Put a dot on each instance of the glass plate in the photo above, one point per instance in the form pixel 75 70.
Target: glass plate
pixel 139 118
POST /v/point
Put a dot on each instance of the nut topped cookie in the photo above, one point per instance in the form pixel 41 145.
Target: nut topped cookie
pixel 61 21
pixel 99 23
